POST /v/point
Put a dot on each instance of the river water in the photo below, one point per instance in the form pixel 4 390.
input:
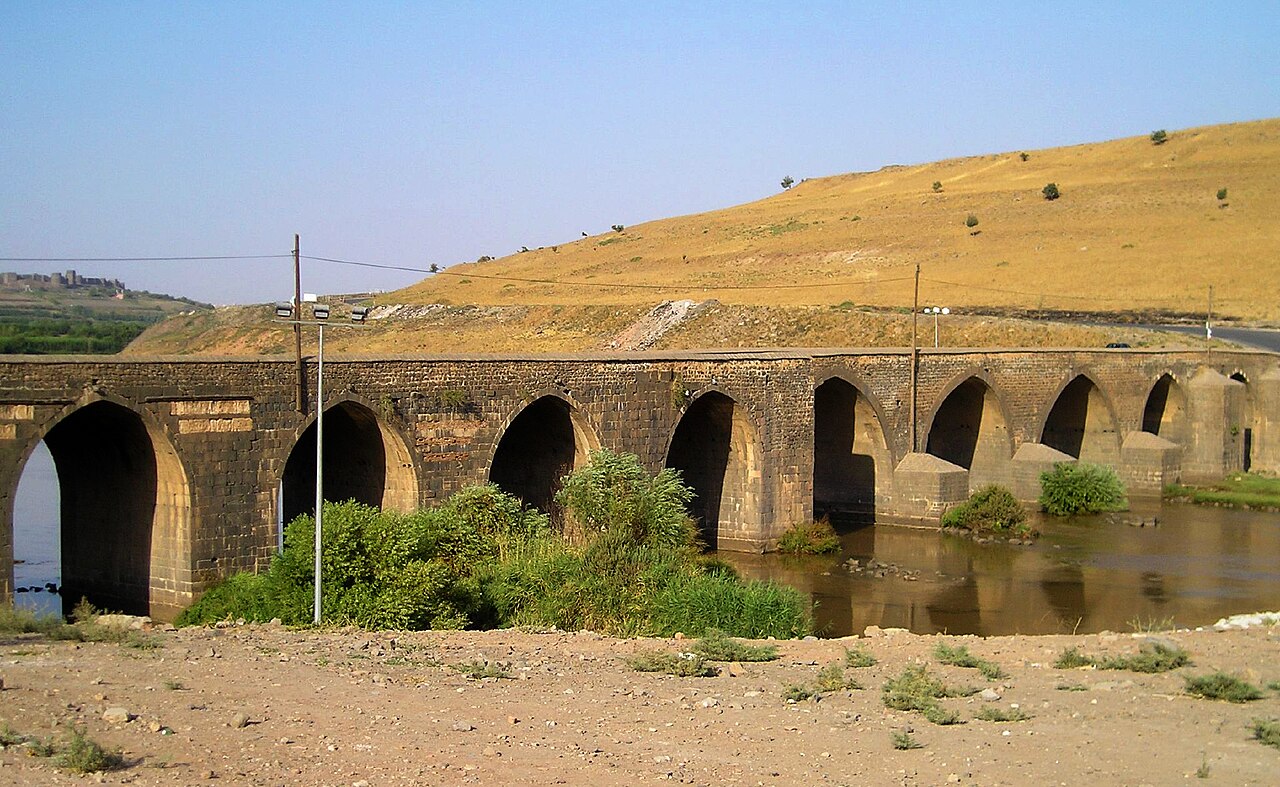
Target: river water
pixel 1086 574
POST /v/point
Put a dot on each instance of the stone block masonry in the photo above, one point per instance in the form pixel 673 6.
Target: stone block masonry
pixel 177 469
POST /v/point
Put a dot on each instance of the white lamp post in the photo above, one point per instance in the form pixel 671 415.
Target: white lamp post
pixel 320 313
pixel 935 311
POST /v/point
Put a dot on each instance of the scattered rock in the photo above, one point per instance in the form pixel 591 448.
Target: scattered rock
pixel 240 720
pixel 117 715
pixel 989 695
pixel 709 702
pixel 462 726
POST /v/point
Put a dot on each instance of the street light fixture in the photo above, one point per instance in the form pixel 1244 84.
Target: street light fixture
pixel 935 311
pixel 320 316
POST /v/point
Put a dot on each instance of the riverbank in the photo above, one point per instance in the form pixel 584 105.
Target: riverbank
pixel 265 705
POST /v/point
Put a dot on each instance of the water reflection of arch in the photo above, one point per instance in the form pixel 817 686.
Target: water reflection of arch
pixel 1080 421
pixel 126 506
pixel 1165 412
pixel 852 460
pixel 1247 427
pixel 715 446
pixel 969 427
pixel 540 443
pixel 366 459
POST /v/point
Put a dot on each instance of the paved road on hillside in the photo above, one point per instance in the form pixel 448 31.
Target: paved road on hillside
pixel 1254 337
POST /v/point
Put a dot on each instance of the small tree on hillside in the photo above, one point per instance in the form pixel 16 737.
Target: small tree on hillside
pixel 1159 137
pixel 937 186
pixel 971 221
pixel 1222 195
pixel 788 182
pixel 1050 191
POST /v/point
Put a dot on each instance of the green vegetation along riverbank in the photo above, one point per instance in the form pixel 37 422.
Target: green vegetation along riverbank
pixel 1238 490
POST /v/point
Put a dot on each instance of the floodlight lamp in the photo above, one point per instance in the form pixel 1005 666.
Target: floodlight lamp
pixel 945 310
pixel 320 311
pixel 284 310
pixel 359 313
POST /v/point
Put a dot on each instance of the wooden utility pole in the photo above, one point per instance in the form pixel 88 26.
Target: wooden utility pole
pixel 915 359
pixel 297 329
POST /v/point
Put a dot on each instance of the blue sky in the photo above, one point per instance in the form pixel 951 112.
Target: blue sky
pixel 420 133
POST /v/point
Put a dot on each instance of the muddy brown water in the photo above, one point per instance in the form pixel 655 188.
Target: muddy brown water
pixel 1085 574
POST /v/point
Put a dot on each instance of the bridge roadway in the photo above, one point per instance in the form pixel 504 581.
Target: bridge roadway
pixel 175 471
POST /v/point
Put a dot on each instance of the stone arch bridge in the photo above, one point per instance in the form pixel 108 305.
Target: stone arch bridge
pixel 175 472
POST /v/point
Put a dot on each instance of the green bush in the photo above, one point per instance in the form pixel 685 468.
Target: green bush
pixel 1081 488
pixel 937 186
pixel 1050 191
pixel 1159 137
pixel 971 221
pixel 1221 686
pixel 991 509
pixel 809 538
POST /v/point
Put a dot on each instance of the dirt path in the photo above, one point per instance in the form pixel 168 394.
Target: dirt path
pixel 357 708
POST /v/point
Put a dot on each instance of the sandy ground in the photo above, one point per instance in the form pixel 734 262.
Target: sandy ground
pixel 345 707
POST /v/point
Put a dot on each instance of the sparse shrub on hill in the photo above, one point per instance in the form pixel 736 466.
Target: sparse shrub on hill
pixel 971 221
pixel 1081 488
pixel 788 182
pixel 1050 191
pixel 1159 137
pixel 937 186
pixel 1222 194
pixel 1024 156
pixel 617 227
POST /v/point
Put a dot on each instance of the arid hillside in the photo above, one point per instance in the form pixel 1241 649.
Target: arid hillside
pixel 1137 228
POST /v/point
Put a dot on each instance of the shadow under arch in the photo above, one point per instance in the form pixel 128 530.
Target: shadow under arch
pixel 126 514
pixel 364 460
pixel 1081 423
pixel 969 429
pixel 714 448
pixel 852 463
pixel 1246 461
pixel 543 442
pixel 1165 412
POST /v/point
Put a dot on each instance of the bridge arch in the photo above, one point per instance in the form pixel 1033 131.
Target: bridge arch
pixel 125 507
pixel 1165 412
pixel 1081 422
pixel 365 460
pixel 715 447
pixel 540 444
pixel 969 428
pixel 852 461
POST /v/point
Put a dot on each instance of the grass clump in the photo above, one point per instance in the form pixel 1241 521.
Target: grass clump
pixel 961 657
pixel 1081 488
pixel 991 713
pixel 992 509
pixel 903 741
pixel 1238 490
pixel 810 538
pixel 1151 658
pixel 715 645
pixel 858 658
pixel 916 690
pixel 1267 732
pixel 682 665
pixel 626 562
pixel 797 693
pixel 479 670
pixel 831 678
pixel 1221 686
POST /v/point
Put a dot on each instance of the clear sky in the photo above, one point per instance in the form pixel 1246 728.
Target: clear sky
pixel 417 133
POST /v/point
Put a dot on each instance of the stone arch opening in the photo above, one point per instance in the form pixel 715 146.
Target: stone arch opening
pixel 540 446
pixel 364 460
pixel 1080 423
pixel 969 429
pixel 125 512
pixel 714 449
pixel 1165 413
pixel 1247 426
pixel 850 454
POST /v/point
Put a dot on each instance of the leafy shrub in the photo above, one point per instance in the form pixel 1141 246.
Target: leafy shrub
pixel 1050 191
pixel 903 741
pixel 810 538
pixel 1150 658
pixel 684 665
pixel 960 656
pixel 971 221
pixel 1222 194
pixel 989 713
pixel 915 689
pixel 788 182
pixel 1024 156
pixel 832 678
pixel 858 657
pixel 716 646
pixel 991 509
pixel 1267 732
pixel 1159 137
pixel 85 755
pixel 617 227
pixel 937 186
pixel 1080 488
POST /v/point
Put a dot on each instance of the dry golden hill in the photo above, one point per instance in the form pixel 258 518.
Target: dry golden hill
pixel 1138 228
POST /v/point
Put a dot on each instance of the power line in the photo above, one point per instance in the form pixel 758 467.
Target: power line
pixel 146 259
pixel 614 285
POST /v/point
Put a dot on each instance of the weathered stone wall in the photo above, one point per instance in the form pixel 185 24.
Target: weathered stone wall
pixel 228 426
